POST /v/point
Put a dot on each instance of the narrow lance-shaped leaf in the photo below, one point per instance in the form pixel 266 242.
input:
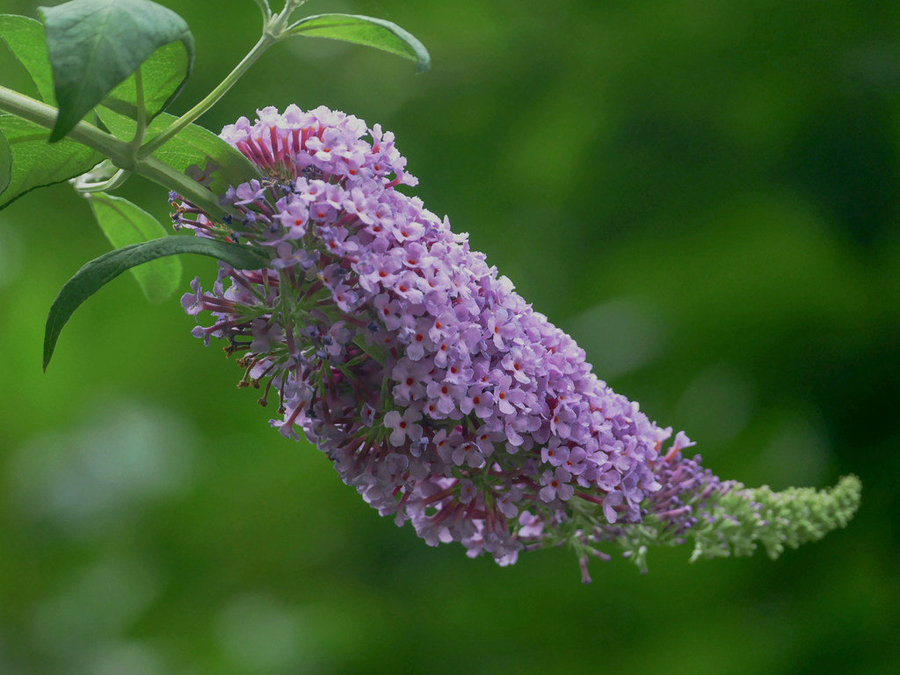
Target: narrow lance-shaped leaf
pixel 194 151
pixel 100 271
pixel 365 30
pixel 35 163
pixel 95 45
pixel 124 224
pixel 26 40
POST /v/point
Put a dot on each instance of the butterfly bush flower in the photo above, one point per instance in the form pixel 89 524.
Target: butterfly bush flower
pixel 436 390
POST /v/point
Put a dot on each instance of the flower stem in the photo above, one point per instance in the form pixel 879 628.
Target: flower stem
pixel 212 98
pixel 264 8
pixel 274 29
pixel 83 132
pixel 121 154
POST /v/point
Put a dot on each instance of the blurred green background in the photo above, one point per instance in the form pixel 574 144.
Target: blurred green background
pixel 704 194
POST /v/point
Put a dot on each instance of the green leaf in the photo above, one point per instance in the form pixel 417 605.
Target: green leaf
pixel 35 162
pixel 100 271
pixel 96 44
pixel 365 30
pixel 124 224
pixel 163 75
pixel 194 151
pixel 5 163
pixel 26 40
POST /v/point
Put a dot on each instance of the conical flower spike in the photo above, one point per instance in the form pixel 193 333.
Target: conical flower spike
pixel 436 390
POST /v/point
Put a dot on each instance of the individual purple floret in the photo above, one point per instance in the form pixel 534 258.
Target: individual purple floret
pixel 436 390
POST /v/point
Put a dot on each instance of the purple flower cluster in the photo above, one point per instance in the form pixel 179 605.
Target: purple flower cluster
pixel 436 390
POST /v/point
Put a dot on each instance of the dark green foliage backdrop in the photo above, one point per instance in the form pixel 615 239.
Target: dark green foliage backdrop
pixel 703 194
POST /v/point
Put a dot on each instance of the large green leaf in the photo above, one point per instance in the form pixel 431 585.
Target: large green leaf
pixel 194 151
pixel 95 45
pixel 100 271
pixel 35 162
pixel 162 75
pixel 365 30
pixel 26 40
pixel 124 224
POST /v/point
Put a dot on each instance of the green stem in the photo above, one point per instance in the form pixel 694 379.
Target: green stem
pixel 266 41
pixel 163 174
pixel 141 112
pixel 265 9
pixel 274 29
pixel 119 153
pixel 45 115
